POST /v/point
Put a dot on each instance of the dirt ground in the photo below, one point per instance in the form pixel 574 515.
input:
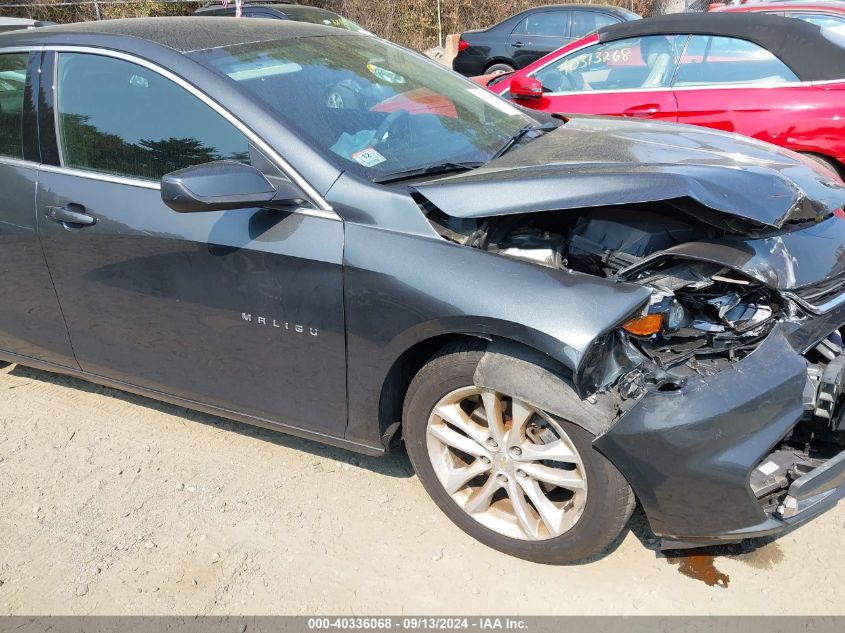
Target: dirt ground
pixel 115 504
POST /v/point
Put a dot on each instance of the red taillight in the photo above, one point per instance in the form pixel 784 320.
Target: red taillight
pixel 462 45
pixel 839 213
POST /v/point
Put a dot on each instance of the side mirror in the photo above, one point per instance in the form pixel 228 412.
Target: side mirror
pixel 222 185
pixel 524 87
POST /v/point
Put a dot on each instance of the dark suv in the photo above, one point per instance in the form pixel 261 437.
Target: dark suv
pixel 281 10
pixel 527 36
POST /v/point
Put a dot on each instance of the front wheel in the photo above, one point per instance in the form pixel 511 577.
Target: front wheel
pixel 507 473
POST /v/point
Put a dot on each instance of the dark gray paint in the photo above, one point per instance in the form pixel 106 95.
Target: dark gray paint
pixel 785 261
pixel 153 299
pixel 595 161
pixel 208 187
pixel 31 323
pixel 391 305
pixel 688 453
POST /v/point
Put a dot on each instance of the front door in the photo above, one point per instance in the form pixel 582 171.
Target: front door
pixel 238 309
pixel 630 77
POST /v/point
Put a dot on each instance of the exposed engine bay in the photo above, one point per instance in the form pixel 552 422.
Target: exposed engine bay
pixel 701 317
pixel 701 314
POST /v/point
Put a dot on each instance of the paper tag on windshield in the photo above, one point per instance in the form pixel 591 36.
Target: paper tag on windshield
pixel 368 157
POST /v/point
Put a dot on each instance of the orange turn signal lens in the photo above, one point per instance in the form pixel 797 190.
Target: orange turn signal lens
pixel 644 325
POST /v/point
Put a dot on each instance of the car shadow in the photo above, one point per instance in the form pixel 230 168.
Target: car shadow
pixel 394 464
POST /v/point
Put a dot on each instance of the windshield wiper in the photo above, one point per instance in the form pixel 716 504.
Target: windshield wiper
pixel 517 136
pixel 428 170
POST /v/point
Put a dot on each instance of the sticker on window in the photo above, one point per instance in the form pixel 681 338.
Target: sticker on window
pixel 368 157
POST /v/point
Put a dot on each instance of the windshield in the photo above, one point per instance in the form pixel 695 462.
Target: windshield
pixel 370 106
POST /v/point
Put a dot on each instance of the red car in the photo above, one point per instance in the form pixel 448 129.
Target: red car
pixel 829 15
pixel 772 78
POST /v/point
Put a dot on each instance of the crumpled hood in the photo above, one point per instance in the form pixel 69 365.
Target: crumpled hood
pixel 595 161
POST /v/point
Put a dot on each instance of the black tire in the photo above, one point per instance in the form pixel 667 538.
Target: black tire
pixel 499 68
pixel 609 503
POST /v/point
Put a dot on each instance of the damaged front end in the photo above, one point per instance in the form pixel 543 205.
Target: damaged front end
pixel 724 393
pixel 720 398
pixel 701 316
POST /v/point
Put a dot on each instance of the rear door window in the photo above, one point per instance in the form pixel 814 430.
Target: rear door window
pixel 12 86
pixel 121 118
pixel 713 60
pixel 585 22
pixel 547 24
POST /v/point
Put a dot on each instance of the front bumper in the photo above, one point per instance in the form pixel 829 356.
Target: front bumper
pixel 689 453
pixel 807 497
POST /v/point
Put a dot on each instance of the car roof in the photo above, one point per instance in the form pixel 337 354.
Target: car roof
pixel 798 44
pixel 182 34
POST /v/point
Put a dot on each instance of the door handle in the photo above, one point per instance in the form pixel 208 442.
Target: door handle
pixel 517 44
pixel 642 111
pixel 70 214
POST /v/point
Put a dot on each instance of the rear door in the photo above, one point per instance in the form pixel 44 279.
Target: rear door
pixel 737 86
pixel 31 322
pixel 630 77
pixel 539 34
pixel 240 309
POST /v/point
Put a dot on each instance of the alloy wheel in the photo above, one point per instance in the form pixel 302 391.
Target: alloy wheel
pixel 507 464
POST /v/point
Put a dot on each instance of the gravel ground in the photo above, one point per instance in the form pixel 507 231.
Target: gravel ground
pixel 116 504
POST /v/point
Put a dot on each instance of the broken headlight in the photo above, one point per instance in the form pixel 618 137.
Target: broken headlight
pixel 698 309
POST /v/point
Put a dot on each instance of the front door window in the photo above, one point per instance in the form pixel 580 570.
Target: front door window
pixel 137 124
pixel 638 63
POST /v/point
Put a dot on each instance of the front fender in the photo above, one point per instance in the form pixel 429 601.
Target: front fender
pixel 401 289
